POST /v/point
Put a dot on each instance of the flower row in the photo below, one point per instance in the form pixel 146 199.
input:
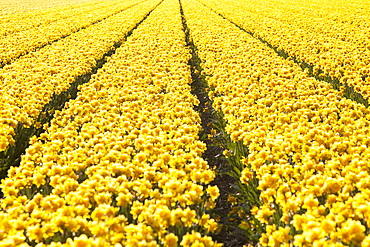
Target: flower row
pixel 9 7
pixel 26 20
pixel 342 60
pixel 24 42
pixel 308 146
pixel 121 164
pixel 340 20
pixel 29 83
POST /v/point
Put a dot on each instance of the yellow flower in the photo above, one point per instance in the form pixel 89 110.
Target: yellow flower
pixel 310 202
pixel 81 241
pixel 328 226
pixel 213 192
pixel 171 240
pixel 246 176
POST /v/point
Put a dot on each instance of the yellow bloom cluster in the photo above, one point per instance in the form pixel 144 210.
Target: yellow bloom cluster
pixel 308 146
pixel 342 20
pixel 121 164
pixel 9 7
pixel 21 43
pixel 26 20
pixel 332 55
pixel 29 83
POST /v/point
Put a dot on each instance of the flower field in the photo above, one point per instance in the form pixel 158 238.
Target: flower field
pixel 110 109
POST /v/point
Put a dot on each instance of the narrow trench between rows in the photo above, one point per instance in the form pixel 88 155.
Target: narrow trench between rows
pixel 214 153
pixel 12 156
pixel 65 36
pixel 348 91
